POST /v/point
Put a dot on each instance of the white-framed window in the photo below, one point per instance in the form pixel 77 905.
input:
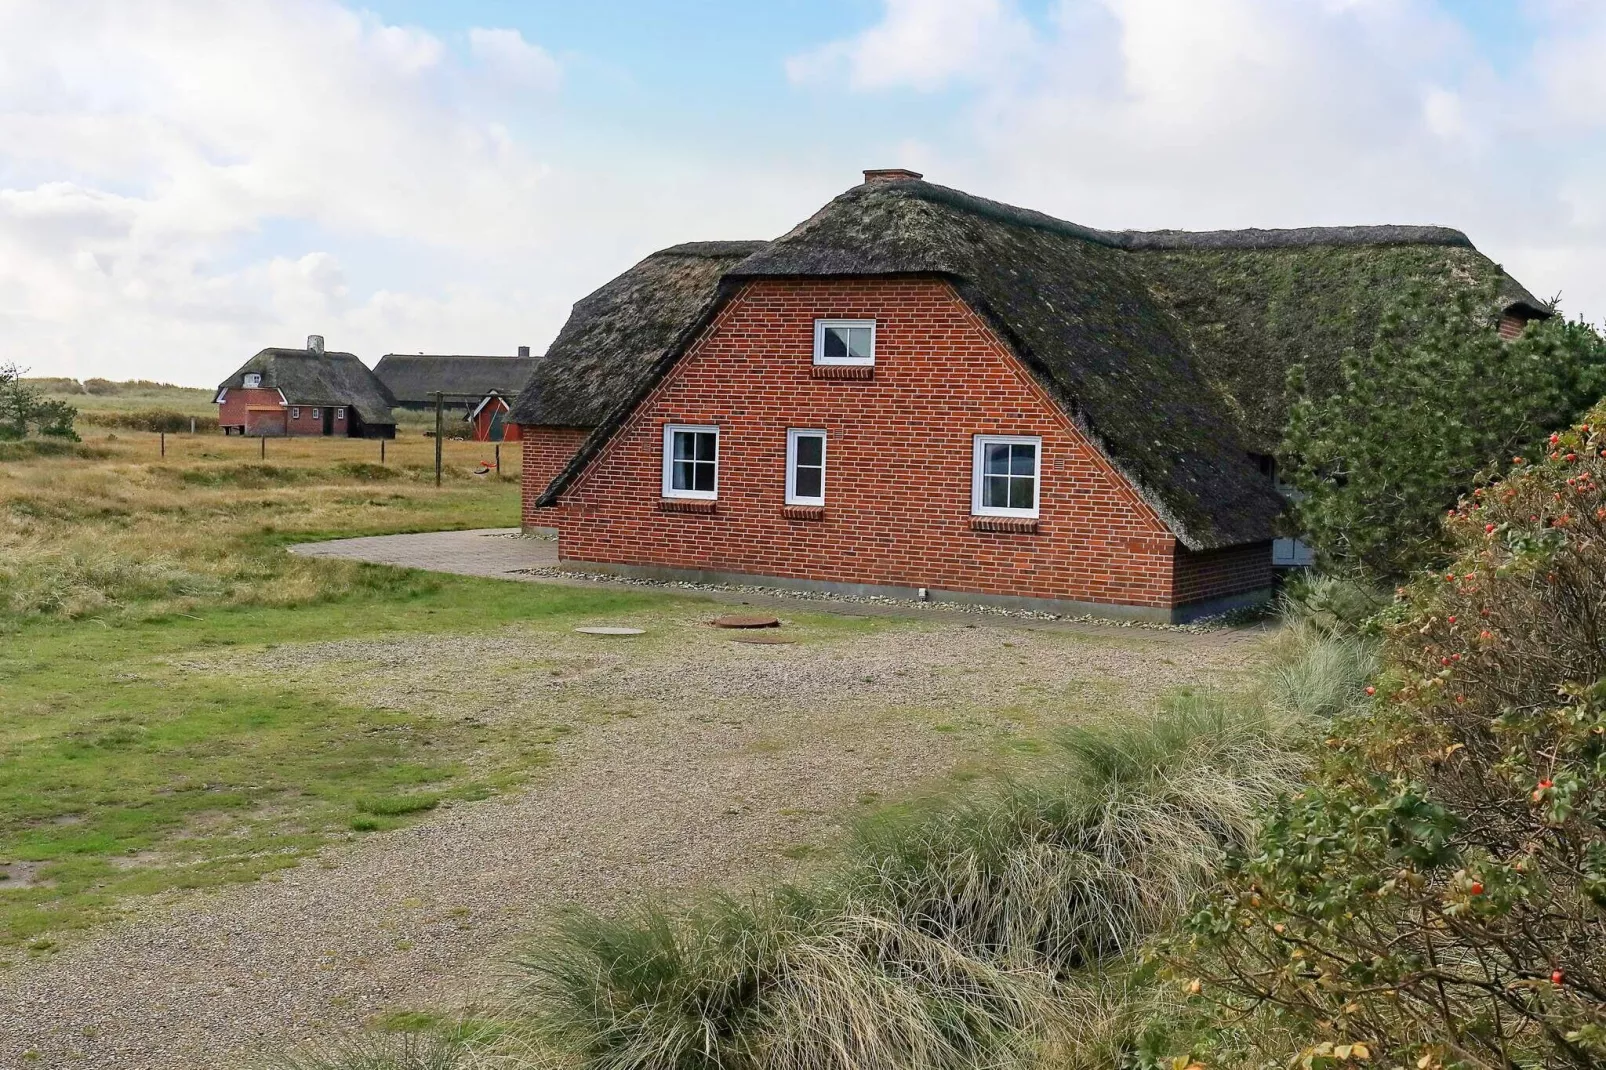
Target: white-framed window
pixel 1005 473
pixel 844 342
pixel 295 412
pixel 252 380
pixel 805 467
pixel 340 414
pixel 691 461
pixel 317 414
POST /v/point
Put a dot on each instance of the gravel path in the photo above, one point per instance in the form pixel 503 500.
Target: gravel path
pixel 691 760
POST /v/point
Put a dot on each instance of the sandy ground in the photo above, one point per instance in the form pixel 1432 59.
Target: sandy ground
pixel 687 759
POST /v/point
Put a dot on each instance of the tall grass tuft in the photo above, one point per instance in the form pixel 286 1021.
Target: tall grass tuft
pixel 951 935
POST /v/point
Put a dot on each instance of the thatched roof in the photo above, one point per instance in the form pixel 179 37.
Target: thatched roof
pixel 1168 348
pixel 413 378
pixel 308 378
pixel 616 336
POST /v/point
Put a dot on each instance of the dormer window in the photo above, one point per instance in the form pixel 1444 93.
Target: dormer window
pixel 252 380
pixel 849 342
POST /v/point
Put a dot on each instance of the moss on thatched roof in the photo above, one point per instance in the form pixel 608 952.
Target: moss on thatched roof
pixel 1169 348
pixel 323 379
pixel 616 336
pixel 413 378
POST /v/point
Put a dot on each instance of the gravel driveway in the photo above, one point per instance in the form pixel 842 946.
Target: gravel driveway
pixel 689 759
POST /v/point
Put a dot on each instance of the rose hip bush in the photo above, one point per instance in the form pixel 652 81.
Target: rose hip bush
pixel 1437 896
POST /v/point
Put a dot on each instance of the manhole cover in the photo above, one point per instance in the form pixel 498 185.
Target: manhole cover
pixel 762 639
pixel 609 631
pixel 746 620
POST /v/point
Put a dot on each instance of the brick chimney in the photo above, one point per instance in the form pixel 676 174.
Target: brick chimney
pixel 315 344
pixel 524 351
pixel 891 174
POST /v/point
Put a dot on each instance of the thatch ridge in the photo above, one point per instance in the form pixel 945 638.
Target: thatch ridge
pixel 324 379
pixel 413 378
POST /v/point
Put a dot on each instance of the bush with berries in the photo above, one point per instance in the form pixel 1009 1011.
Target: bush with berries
pixel 1436 897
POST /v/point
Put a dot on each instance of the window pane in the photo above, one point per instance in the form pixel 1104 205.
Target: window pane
pixel 681 475
pixel 1023 459
pixel 995 492
pixel 707 445
pixel 705 476
pixel 859 342
pixel 836 342
pixel 809 481
pixel 685 445
pixel 810 449
pixel 996 459
pixel 1021 492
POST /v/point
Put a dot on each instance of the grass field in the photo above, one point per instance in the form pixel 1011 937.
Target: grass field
pixel 120 774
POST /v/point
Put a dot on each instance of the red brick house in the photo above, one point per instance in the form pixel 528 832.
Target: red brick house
pixel 307 391
pixel 918 392
pixel 489 422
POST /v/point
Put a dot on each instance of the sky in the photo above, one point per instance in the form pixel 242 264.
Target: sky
pixel 183 182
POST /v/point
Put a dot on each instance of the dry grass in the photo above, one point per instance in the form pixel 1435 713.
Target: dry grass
pixel 125 529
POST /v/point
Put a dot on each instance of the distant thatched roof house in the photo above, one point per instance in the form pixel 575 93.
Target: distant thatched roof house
pixel 413 378
pixel 309 391
pixel 1161 357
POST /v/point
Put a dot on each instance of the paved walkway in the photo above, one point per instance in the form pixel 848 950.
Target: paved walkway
pixel 496 552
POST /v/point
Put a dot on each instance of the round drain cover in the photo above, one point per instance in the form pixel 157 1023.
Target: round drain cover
pixel 746 620
pixel 610 631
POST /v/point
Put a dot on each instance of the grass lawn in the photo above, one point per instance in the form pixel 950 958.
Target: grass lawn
pixel 120 773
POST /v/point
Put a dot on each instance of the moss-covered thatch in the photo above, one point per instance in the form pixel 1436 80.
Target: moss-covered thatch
pixel 1169 348
pixel 1252 312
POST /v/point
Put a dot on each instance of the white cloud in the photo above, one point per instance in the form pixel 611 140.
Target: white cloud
pixel 922 43
pixel 1225 113
pixel 507 54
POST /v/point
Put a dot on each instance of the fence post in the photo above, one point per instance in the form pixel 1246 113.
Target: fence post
pixel 161 438
pixel 498 458
pixel 262 441
pixel 440 432
pixel 192 425
pixel 381 451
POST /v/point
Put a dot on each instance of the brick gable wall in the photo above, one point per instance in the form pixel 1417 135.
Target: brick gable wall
pixel 545 451
pixel 898 465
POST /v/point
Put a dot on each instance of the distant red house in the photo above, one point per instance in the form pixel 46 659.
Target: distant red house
pixel 489 420
pixel 308 391
pixel 920 393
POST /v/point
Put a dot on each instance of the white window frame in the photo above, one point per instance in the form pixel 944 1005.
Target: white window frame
pixel 792 435
pixel 668 486
pixel 978 449
pixel 819 343
pixel 340 414
pixel 251 381
pixel 317 414
pixel 295 412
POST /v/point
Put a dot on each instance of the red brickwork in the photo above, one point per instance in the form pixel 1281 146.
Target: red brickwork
pixel 1218 573
pixel 898 461
pixel 546 451
pixel 261 412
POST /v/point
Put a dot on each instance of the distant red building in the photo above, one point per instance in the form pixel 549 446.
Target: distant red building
pixel 489 420
pixel 310 391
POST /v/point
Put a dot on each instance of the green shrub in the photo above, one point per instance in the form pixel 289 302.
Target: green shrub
pixel 1439 894
pixel 24 411
pixel 396 805
pixel 1438 400
pixel 152 420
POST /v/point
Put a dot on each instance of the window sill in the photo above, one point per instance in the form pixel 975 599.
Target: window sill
pixel 687 505
pixel 842 371
pixel 1013 525
pixel 803 512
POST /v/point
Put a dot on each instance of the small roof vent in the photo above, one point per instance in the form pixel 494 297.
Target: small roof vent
pixel 892 174
pixel 315 344
pixel 524 351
